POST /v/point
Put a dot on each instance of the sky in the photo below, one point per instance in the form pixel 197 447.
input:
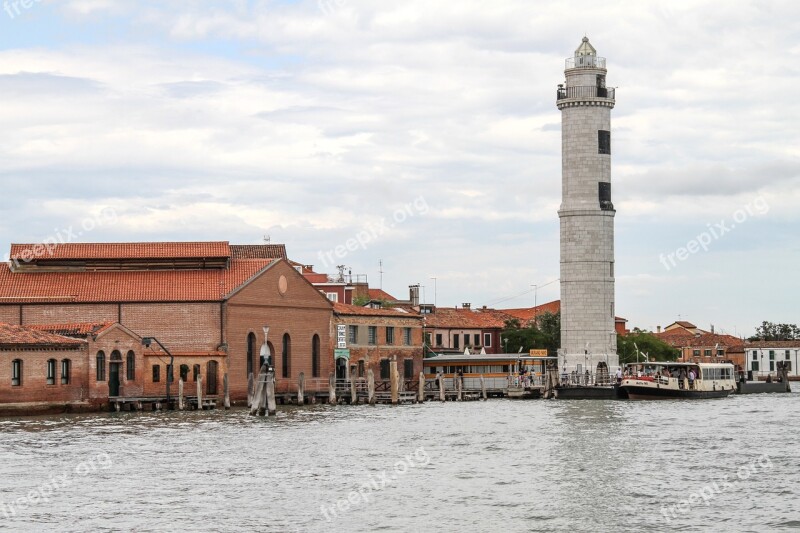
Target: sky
pixel 416 142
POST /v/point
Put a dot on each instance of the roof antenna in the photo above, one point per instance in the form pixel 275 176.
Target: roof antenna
pixel 380 270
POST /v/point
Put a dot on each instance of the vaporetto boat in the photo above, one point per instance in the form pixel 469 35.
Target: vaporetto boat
pixel 664 380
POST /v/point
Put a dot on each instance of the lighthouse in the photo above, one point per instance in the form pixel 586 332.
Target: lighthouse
pixel 588 337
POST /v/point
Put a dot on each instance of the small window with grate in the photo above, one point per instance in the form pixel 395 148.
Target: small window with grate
pixel 603 142
pixel 604 195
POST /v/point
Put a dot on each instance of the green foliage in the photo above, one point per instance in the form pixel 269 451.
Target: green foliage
pixel 361 301
pixel 544 334
pixel 768 331
pixel 655 348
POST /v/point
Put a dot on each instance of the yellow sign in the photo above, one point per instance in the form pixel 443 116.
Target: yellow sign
pixel 538 353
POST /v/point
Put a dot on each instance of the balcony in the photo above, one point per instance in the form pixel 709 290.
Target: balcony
pixel 586 62
pixel 585 91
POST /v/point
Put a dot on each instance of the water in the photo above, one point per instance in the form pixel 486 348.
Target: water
pixel 479 466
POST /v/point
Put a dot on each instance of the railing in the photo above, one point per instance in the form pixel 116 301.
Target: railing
pixel 587 378
pixel 586 62
pixel 585 91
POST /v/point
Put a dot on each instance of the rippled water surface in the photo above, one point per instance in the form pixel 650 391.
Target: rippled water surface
pixel 463 467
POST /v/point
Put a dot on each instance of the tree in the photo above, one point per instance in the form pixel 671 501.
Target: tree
pixel 544 333
pixel 655 348
pixel 768 331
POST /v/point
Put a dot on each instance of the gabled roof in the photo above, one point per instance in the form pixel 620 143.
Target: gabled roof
pixel 121 250
pixel 127 286
pixel 258 251
pixel 681 338
pixel 16 337
pixel 357 310
pixel 380 294
pixel 526 314
pixel 459 318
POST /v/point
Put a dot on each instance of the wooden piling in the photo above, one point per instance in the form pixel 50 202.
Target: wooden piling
pixel 199 393
pixel 483 387
pixel 442 396
pixel 227 401
pixel 459 392
pixel 393 381
pixel 421 391
pixel 371 386
pixel 301 389
pixel 180 395
pixel 332 388
pixel 251 389
pixel 270 394
pixel 255 401
pixel 353 391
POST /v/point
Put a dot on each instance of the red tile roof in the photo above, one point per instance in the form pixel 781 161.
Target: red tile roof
pixel 19 337
pixel 258 251
pixel 121 250
pixel 345 309
pixel 681 338
pixel 313 277
pixel 127 286
pixel 380 294
pixel 527 313
pixel 773 344
pixel 83 329
pixel 459 318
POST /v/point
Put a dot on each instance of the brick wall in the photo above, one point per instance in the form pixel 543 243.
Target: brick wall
pixel 34 387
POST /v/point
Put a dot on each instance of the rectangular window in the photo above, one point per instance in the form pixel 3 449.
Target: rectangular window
pixel 487 340
pixel 361 368
pixel 772 355
pixel 456 338
pixel 707 352
pixel 408 368
pixel 407 336
pixel 332 296
pixel 603 142
pixel 604 195
pixel 352 334
pixel 51 372
pixel 786 355
pixel 385 369
pixel 696 353
pixel 772 366
pixel 389 335
pixel 65 368
pixel 755 355
pixel 428 339
pixel 755 366
pixel 477 339
pixel 720 352
pixel 156 373
pixel 16 373
pixel 466 340
pixel 373 335
pixel 438 339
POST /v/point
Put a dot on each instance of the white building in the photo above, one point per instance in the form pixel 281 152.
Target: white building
pixel 588 337
pixel 762 357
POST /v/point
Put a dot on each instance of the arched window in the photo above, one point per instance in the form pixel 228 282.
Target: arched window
pixel 116 355
pixel 286 356
pixel 196 373
pixel 16 373
pixel 185 373
pixel 131 366
pixel 51 371
pixel 101 366
pixel 315 356
pixel 251 350
pixel 66 366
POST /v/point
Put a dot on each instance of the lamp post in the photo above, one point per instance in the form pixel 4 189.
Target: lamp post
pixel 146 342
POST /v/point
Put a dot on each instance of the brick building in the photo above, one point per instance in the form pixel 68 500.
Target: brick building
pixel 375 336
pixel 527 314
pixel 700 346
pixel 456 329
pixel 211 304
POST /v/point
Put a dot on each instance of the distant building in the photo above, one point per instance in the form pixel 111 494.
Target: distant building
pixel 762 357
pixel 526 315
pixel 699 346
pixel 462 328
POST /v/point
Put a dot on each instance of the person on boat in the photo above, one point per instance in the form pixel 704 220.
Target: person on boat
pixel 619 375
pixel 691 379
pixel 681 378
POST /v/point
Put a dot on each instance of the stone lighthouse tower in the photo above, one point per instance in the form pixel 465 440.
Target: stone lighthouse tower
pixel 588 336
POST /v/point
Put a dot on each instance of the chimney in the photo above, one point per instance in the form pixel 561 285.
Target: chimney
pixel 658 329
pixel 712 329
pixel 466 305
pixel 413 291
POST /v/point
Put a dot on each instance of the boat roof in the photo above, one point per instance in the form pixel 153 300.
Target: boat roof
pixel 679 364
pixel 495 357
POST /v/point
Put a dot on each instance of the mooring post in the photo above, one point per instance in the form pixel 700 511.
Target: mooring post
pixel 393 381
pixel 180 394
pixel 421 391
pixel 371 386
pixel 270 394
pixel 251 389
pixel 255 401
pixel 483 387
pixel 301 389
pixel 199 392
pixel 442 395
pixel 458 388
pixel 227 401
pixel 332 388
pixel 353 391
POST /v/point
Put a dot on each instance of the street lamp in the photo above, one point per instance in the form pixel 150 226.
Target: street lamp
pixel 146 342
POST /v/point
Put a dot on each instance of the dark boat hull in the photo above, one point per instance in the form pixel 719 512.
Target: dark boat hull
pixel 762 387
pixel 650 393
pixel 586 393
